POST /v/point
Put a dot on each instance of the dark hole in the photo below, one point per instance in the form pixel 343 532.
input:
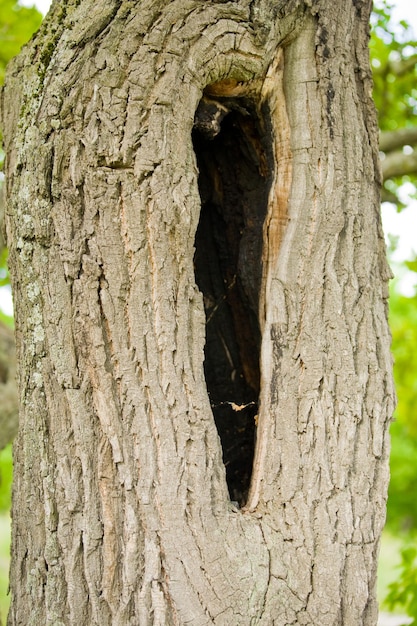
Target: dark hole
pixel 235 166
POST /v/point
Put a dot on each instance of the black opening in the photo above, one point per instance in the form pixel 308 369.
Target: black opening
pixel 235 167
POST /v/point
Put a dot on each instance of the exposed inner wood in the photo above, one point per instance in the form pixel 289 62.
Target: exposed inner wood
pixel 235 165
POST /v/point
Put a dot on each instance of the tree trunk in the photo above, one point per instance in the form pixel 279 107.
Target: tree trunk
pixel 200 283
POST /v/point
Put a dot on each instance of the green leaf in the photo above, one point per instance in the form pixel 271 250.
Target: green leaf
pixel 7 319
pixel 412 265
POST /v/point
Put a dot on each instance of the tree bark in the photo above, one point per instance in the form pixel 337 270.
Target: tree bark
pixel 142 139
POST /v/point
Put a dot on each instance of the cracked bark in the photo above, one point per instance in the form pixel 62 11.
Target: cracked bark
pixel 121 510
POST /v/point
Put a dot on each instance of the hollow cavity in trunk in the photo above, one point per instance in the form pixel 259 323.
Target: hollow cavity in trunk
pixel 232 142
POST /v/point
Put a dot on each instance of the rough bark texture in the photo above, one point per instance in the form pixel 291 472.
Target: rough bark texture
pixel 121 509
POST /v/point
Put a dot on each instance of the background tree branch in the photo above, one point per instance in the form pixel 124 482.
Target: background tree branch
pixel 392 140
pixel 399 164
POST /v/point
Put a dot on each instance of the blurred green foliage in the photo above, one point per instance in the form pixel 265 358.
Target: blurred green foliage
pixel 393 58
pixel 17 25
pixel 9 321
pixel 394 62
pixel 393 50
pixel 4 276
pixel 402 502
pixel 4 565
pixel 6 472
pixel 403 590
pixel 402 495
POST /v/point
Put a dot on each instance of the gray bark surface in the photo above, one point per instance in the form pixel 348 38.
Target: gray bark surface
pixel 121 511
